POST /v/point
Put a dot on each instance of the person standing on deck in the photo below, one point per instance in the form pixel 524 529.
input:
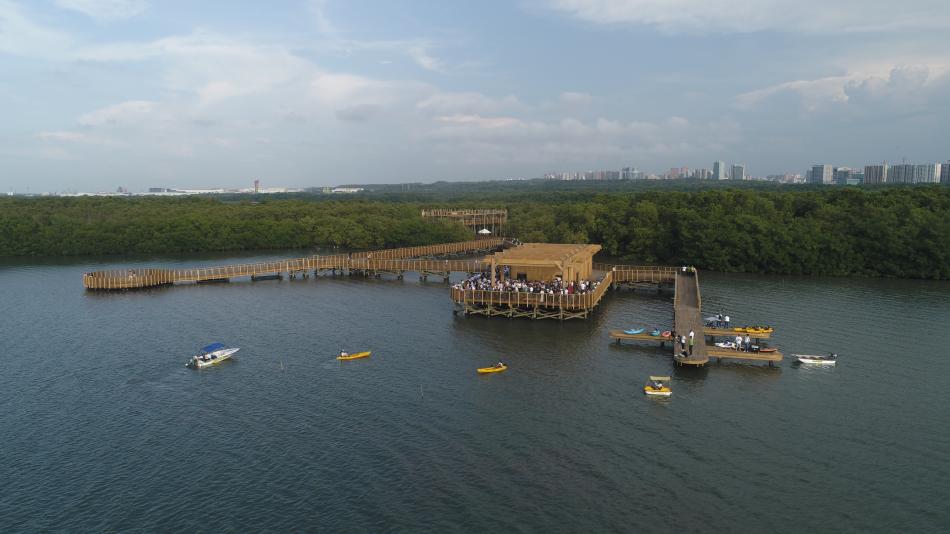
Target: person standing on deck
pixel 691 342
pixel 748 343
pixel 738 342
pixel 726 318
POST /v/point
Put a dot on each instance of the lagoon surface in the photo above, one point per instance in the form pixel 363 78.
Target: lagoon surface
pixel 104 429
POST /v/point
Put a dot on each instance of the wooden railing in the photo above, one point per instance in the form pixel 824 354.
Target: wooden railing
pixel 638 273
pixel 521 299
pixel 432 250
pixel 380 260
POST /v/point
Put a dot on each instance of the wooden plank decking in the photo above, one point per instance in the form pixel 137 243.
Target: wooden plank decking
pixel 390 261
pixel 719 353
pixel 687 315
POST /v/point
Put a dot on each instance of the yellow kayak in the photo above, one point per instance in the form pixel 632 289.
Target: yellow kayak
pixel 752 330
pixel 492 369
pixel 355 356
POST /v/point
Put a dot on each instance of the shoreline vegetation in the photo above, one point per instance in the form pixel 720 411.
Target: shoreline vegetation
pixel 901 232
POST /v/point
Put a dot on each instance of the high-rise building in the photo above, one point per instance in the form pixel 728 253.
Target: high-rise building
pixel 901 174
pixel 945 173
pixel 738 172
pixel 719 170
pixel 700 174
pixel 842 175
pixel 875 174
pixel 928 173
pixel 821 174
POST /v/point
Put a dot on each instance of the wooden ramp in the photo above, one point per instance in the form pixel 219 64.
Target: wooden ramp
pixel 687 315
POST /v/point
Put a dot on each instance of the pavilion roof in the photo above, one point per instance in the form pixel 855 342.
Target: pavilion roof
pixel 554 254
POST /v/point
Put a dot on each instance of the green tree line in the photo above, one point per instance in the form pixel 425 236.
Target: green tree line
pixel 893 232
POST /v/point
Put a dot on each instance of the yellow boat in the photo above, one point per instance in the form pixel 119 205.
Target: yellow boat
pixel 492 369
pixel 657 387
pixel 355 356
pixel 752 330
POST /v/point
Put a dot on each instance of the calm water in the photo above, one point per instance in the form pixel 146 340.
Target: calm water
pixel 104 429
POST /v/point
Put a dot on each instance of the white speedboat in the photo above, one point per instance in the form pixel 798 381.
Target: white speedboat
pixel 726 345
pixel 831 359
pixel 213 354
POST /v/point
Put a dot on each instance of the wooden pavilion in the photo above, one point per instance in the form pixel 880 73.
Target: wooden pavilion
pixel 544 261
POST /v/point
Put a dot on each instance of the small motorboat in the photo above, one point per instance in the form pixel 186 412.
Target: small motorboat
pixel 354 356
pixel 830 359
pixel 633 331
pixel 497 368
pixel 657 387
pixel 757 348
pixel 726 345
pixel 666 333
pixel 655 332
pixel 213 354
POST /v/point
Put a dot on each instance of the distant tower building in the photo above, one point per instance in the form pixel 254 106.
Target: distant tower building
pixel 945 173
pixel 719 170
pixel 875 174
pixel 257 186
pixel 928 173
pixel 738 172
pixel 842 175
pixel 901 174
pixel 821 174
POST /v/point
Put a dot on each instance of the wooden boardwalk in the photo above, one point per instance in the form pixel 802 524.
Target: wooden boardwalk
pixel 687 315
pixel 719 353
pixel 395 261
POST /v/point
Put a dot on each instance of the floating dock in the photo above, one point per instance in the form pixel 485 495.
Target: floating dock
pixel 687 316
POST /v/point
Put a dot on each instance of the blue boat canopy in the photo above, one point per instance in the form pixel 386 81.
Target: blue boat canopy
pixel 213 347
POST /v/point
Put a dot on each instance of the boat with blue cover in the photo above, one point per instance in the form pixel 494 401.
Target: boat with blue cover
pixel 213 354
pixel 633 331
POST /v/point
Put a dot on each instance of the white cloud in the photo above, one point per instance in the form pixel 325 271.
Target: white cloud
pixel 20 36
pixel 467 102
pixel 813 93
pixel 73 137
pixel 743 16
pixel 131 112
pixel 421 56
pixel 820 94
pixel 106 10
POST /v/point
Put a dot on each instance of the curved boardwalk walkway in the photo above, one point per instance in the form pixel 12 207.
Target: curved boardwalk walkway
pixel 396 261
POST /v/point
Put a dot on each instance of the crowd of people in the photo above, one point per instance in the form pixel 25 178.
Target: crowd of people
pixel 483 282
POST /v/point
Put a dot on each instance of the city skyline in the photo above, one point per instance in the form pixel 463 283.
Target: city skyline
pixel 139 93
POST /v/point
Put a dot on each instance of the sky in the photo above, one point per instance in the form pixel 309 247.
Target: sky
pixel 97 94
